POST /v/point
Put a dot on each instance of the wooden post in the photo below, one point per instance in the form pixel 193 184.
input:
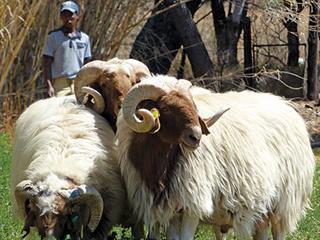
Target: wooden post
pixel 191 40
pixel 248 67
pixel 312 68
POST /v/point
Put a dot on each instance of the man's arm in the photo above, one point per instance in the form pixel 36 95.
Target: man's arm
pixel 47 61
pixel 87 54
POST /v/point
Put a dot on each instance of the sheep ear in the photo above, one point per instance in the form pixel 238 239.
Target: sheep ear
pixel 204 128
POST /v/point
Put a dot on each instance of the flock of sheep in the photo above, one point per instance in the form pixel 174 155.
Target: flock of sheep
pixel 137 149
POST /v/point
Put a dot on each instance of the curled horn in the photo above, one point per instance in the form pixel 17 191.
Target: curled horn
pixel 23 191
pixel 144 91
pixel 140 70
pixel 87 75
pixel 89 196
pixel 98 105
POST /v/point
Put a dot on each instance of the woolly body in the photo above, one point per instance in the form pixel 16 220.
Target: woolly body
pixel 58 141
pixel 256 160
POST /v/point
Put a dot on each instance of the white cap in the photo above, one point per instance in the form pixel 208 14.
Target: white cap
pixel 69 6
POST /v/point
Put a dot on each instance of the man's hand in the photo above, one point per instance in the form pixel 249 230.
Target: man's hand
pixel 50 91
pixel 47 61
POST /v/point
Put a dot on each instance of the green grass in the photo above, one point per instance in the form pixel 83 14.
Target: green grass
pixel 9 228
pixel 308 229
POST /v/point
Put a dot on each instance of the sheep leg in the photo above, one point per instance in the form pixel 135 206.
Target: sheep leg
pixel 154 232
pixel 276 228
pixel 173 231
pixel 137 231
pixel 261 229
pixel 218 233
pixel 188 227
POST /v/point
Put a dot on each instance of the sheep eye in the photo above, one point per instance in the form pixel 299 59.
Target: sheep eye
pixel 165 110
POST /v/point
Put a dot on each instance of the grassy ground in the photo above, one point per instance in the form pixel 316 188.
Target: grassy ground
pixel 9 228
pixel 309 227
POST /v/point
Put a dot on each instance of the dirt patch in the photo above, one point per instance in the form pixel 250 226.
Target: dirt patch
pixel 310 111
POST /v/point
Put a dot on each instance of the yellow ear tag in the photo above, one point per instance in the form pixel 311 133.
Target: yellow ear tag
pixel 155 113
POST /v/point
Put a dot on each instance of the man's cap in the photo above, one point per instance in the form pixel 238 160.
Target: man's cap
pixel 69 6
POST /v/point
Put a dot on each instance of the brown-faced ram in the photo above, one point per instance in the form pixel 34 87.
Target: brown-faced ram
pixel 102 85
pixel 252 167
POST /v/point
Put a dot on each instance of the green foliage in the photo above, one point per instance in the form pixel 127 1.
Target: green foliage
pixel 309 227
pixel 9 228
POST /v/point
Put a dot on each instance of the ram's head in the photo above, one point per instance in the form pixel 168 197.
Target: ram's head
pixel 163 106
pixel 102 85
pixel 71 210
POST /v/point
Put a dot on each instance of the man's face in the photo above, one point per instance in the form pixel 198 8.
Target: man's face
pixel 69 19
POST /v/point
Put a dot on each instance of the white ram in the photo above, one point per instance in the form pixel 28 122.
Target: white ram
pixel 57 144
pixel 256 166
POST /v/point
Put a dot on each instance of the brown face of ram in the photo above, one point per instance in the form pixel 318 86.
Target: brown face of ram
pixel 60 221
pixel 114 86
pixel 179 119
pixel 179 124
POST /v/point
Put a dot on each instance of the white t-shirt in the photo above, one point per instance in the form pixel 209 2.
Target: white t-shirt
pixel 68 53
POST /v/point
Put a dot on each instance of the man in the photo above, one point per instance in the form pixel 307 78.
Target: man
pixel 66 51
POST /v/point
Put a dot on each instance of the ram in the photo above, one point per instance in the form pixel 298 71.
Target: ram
pixel 57 144
pixel 63 176
pixel 102 85
pixel 252 167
